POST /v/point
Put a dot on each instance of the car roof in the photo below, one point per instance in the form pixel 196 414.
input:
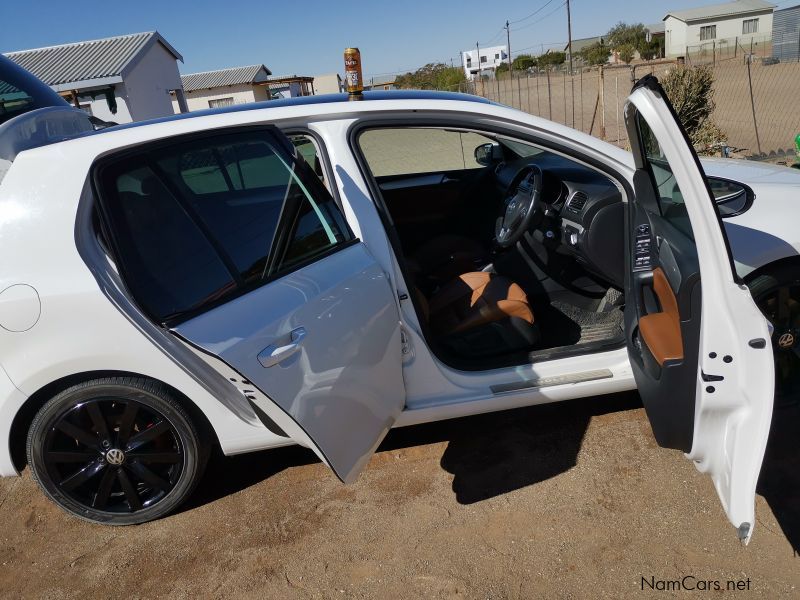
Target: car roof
pixel 307 101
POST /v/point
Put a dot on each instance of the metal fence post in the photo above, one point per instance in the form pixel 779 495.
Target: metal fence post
pixel 538 104
pixel 616 103
pixel 602 100
pixel 572 95
pixel 752 101
pixel 549 97
pixel 564 77
pixel 528 90
pixel 581 102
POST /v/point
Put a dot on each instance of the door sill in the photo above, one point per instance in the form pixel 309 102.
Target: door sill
pixel 542 382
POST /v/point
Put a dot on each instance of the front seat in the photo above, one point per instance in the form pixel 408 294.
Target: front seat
pixel 480 314
pixel 445 257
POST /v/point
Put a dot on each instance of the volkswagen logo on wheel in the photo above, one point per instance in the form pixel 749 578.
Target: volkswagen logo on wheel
pixel 115 457
pixel 786 340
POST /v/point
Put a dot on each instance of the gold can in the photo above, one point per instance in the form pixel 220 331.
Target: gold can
pixel 353 80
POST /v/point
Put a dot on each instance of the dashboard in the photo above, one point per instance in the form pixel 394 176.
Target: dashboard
pixel 583 212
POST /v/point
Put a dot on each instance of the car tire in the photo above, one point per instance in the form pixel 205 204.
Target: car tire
pixel 117 451
pixel 777 294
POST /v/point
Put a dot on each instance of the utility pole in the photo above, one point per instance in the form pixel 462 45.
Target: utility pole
pixel 508 47
pixel 569 37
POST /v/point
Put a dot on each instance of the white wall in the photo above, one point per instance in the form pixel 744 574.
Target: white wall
pixel 99 106
pixel 495 55
pixel 149 82
pixel 327 84
pixel 241 94
pixel 679 35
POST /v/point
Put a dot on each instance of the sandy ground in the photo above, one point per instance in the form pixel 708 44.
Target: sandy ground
pixel 563 501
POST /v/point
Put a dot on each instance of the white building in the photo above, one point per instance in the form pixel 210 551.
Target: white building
pixel 330 83
pixel 728 23
pixel 490 58
pixel 120 79
pixel 225 87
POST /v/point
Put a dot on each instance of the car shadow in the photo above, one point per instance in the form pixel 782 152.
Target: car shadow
pixel 779 482
pixel 493 454
pixel 226 475
pixel 507 451
pixel 489 455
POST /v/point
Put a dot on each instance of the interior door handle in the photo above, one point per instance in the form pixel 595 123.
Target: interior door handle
pixel 274 354
pixel 446 179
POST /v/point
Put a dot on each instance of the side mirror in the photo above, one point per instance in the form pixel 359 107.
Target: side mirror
pixel 488 154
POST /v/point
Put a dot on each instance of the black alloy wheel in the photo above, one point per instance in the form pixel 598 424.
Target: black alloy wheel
pixel 118 451
pixel 777 295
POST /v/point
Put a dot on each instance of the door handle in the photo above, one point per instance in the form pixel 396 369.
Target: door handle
pixel 446 179
pixel 274 354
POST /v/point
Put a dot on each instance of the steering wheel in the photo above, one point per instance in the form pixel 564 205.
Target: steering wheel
pixel 522 207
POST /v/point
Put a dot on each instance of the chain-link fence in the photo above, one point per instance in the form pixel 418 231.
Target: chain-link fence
pixel 716 50
pixel 756 101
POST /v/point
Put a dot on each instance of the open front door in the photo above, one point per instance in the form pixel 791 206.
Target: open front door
pixel 699 347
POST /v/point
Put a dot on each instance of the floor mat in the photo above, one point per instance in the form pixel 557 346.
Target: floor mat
pixel 562 324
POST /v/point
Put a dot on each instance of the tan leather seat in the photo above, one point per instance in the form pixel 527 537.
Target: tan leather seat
pixel 475 299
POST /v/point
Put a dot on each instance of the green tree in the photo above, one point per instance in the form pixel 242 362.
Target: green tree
pixel 501 68
pixel 523 62
pixel 650 50
pixel 622 34
pixel 551 58
pixel 626 53
pixel 691 92
pixel 433 76
pixel 595 54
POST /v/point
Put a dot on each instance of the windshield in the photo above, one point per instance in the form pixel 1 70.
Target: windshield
pixel 21 92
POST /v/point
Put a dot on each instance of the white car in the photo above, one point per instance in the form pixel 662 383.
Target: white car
pixel 317 271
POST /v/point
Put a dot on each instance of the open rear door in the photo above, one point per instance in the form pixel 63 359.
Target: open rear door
pixel 698 344
pixel 230 241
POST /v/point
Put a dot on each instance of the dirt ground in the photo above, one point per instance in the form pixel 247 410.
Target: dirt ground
pixel 563 501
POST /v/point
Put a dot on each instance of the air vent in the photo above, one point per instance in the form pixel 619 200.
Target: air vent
pixel 577 202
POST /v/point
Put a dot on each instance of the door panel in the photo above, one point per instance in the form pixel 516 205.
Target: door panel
pixel 697 342
pixel 323 343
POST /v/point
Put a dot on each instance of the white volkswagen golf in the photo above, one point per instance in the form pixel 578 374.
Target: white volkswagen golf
pixel 318 271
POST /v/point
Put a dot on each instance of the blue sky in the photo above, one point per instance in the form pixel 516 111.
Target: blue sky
pixel 307 37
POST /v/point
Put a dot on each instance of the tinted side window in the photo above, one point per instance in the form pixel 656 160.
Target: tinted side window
pixel 214 216
pixel 172 267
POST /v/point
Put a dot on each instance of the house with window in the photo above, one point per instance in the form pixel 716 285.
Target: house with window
pixel 381 84
pixel 225 87
pixel 121 79
pixel 490 59
pixel 728 23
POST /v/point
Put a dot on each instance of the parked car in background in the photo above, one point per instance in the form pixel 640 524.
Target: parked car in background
pixel 316 271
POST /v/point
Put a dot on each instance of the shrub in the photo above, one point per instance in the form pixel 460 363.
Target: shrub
pixel 691 91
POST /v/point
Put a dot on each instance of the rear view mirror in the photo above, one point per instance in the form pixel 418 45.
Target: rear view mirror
pixel 488 154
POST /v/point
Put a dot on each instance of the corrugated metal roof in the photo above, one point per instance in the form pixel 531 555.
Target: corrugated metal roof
pixel 786 34
pixel 727 9
pixel 223 77
pixel 103 61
